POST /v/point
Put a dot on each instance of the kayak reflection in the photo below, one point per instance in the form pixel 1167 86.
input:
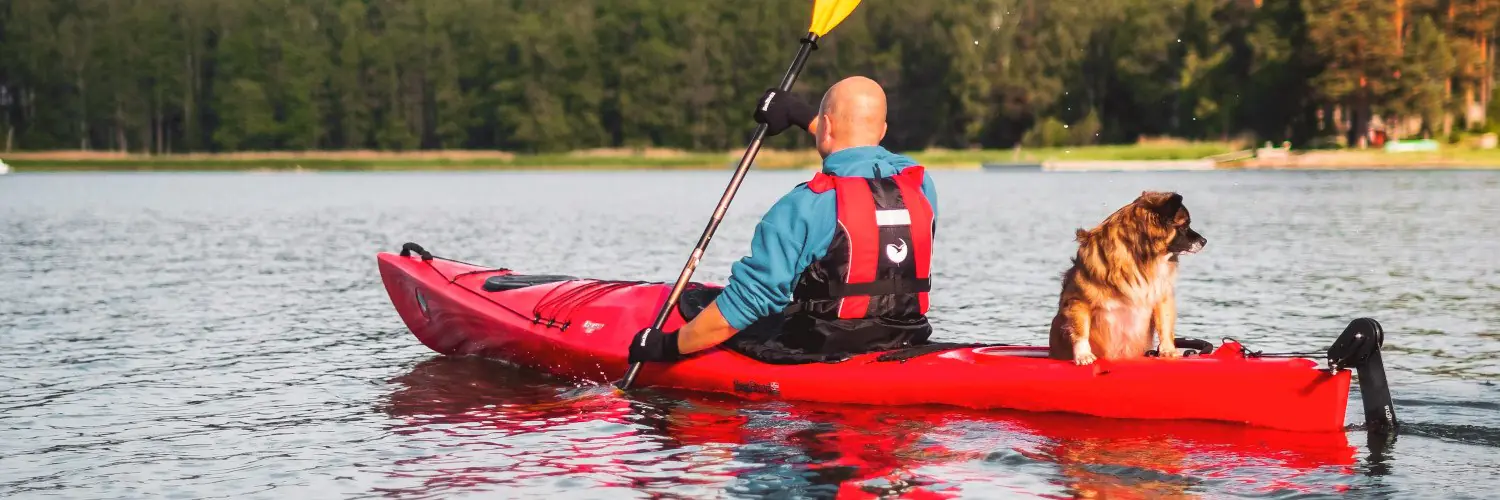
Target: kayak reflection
pixel 481 425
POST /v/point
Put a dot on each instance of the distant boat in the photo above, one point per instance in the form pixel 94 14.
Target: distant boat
pixel 1411 146
pixel 1011 166
pixel 4 169
pixel 1100 165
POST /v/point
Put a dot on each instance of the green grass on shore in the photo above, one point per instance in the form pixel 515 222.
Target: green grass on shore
pixel 595 160
pixel 333 163
pixel 1120 152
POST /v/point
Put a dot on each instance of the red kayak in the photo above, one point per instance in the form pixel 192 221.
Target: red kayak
pixel 580 329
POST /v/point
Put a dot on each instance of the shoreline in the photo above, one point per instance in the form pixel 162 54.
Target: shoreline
pixel 1140 157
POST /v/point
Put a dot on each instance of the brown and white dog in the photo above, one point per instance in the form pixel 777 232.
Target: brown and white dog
pixel 1120 288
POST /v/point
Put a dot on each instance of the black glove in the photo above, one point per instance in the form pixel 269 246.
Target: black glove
pixel 651 344
pixel 779 110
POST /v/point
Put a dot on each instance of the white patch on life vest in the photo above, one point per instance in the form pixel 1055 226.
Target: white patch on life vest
pixel 892 217
pixel 897 251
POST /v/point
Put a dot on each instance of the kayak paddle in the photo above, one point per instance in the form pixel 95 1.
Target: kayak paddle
pixel 825 15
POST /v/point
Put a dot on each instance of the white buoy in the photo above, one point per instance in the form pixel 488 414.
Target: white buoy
pixel 4 169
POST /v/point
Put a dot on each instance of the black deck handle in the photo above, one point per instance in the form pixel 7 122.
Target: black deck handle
pixel 409 247
pixel 1192 346
pixel 1203 347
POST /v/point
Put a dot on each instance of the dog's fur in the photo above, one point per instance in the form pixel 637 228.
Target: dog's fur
pixel 1120 288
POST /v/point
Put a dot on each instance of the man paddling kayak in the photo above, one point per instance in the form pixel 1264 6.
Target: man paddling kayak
pixel 840 264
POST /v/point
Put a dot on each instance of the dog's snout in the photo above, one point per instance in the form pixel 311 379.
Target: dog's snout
pixel 1187 241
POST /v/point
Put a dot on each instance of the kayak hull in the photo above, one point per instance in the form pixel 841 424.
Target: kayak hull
pixel 580 330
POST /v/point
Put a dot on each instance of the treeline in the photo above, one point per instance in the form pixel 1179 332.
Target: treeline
pixel 553 75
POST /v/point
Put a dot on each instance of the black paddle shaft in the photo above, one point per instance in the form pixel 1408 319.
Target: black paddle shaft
pixel 808 45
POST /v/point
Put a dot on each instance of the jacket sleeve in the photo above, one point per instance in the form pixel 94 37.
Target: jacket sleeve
pixel 760 284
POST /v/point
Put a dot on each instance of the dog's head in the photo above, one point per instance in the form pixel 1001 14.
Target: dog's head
pixel 1169 222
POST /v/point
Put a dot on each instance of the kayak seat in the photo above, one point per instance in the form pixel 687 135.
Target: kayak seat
pixel 513 281
pixel 757 341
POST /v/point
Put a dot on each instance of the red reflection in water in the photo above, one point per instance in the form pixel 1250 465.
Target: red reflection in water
pixel 509 428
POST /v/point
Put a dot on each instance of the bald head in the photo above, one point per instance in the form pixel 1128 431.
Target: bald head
pixel 852 114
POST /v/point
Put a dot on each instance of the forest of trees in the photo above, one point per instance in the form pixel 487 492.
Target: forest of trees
pixel 172 76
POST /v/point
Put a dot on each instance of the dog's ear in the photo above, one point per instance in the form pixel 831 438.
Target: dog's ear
pixel 1167 205
pixel 1155 199
pixel 1081 235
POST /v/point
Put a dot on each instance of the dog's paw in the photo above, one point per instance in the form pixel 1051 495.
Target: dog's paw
pixel 1082 355
pixel 1170 353
pixel 1086 359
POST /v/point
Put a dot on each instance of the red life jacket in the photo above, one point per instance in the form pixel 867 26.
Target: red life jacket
pixel 869 292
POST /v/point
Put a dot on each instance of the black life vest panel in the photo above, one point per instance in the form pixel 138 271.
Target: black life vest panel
pixel 869 292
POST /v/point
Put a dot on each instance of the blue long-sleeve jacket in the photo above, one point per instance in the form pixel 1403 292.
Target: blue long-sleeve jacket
pixel 797 231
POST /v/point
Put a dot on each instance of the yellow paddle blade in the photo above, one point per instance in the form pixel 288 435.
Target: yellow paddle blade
pixel 829 13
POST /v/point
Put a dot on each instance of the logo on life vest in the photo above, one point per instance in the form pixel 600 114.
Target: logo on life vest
pixel 589 327
pixel 897 251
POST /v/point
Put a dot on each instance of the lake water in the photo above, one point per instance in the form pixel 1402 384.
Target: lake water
pixel 227 335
